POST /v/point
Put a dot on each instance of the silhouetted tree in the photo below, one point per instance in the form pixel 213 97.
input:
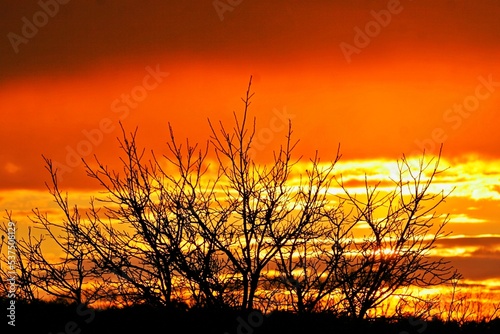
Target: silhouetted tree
pixel 306 266
pixel 268 209
pixel 135 234
pixel 236 233
pixel 68 276
pixel 402 226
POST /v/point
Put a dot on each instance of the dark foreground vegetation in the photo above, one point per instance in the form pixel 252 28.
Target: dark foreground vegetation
pixel 227 234
pixel 214 227
pixel 56 318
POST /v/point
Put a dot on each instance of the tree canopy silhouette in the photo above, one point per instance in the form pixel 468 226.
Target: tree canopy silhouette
pixel 233 233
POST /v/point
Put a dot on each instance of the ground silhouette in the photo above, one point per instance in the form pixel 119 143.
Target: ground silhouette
pixel 57 317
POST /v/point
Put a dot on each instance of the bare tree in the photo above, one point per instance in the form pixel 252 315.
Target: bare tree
pixel 236 233
pixel 71 276
pixel 144 236
pixel 135 236
pixel 190 193
pixel 269 214
pixel 402 228
pixel 307 268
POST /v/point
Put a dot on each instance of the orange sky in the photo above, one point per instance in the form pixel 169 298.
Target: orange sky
pixel 422 77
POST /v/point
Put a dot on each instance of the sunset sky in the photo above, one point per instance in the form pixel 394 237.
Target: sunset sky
pixel 382 78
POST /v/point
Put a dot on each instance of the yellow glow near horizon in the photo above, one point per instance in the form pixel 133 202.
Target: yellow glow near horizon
pixel 473 182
